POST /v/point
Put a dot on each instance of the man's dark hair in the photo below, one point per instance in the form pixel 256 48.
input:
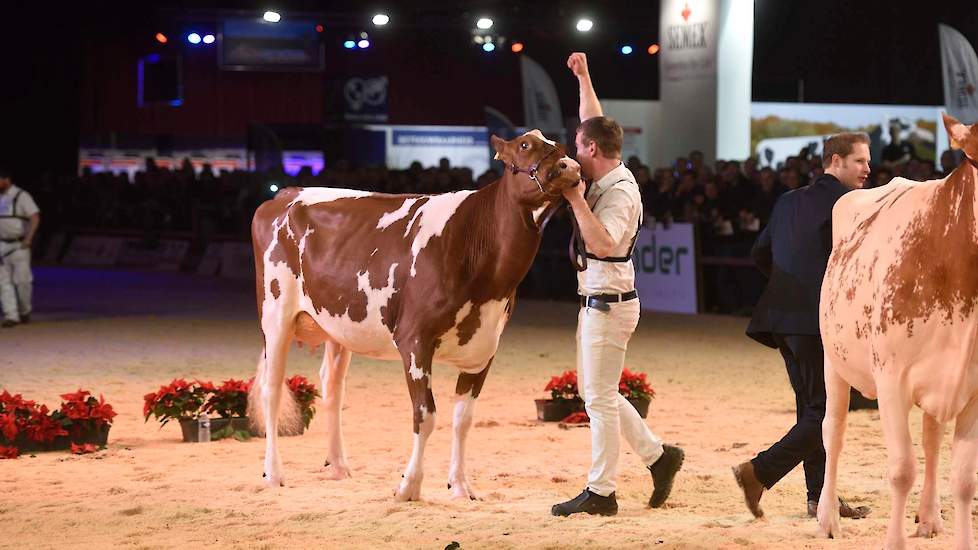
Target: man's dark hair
pixel 841 144
pixel 4 173
pixel 605 132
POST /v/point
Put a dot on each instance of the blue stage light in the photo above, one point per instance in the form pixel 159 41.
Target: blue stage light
pixel 349 44
pixel 193 38
pixel 488 46
pixel 626 50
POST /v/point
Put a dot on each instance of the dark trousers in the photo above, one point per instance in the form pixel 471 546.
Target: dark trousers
pixel 803 359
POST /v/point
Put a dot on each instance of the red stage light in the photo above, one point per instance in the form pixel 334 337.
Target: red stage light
pixel 319 28
pixel 161 38
pixel 653 49
pixel 517 47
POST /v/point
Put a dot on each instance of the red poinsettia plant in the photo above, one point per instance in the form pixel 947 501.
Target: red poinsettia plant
pixel 179 399
pixel 230 399
pixel 633 385
pixel 563 387
pixel 23 421
pixel 305 396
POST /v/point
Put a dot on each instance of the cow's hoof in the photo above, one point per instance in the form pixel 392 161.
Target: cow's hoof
pixel 829 529
pixel 408 491
pixel 273 480
pixel 461 491
pixel 336 472
pixel 929 529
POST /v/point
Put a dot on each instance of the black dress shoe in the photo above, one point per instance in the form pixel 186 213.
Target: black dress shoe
pixel 24 319
pixel 664 474
pixel 7 323
pixel 589 502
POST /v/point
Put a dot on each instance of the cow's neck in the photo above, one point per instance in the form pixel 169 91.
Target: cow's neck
pixel 508 239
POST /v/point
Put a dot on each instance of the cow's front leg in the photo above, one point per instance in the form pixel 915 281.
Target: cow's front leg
pixel 929 512
pixel 417 370
pixel 894 410
pixel 466 391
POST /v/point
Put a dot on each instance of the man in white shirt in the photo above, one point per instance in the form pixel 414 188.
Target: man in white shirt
pixel 608 215
pixel 19 220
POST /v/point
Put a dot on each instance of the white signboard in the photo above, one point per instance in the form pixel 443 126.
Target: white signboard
pixel 665 268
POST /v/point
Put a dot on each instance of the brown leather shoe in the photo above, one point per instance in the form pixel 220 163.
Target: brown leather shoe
pixel 747 481
pixel 845 511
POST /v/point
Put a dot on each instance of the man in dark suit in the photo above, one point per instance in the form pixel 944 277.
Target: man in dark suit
pixel 793 251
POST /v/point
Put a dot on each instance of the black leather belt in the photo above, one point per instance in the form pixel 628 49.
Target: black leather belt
pixel 14 240
pixel 601 301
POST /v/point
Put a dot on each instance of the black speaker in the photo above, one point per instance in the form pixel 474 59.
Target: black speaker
pixel 160 80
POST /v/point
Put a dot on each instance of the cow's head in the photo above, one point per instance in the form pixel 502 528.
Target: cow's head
pixel 544 163
pixel 962 137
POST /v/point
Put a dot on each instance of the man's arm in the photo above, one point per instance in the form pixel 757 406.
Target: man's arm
pixel 590 106
pixel 599 242
pixel 761 251
pixel 34 223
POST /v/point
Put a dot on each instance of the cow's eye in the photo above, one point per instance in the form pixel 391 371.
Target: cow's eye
pixel 524 145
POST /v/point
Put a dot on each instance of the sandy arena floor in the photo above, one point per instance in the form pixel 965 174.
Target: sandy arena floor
pixel 720 396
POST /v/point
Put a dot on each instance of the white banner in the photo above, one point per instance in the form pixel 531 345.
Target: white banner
pixel 665 268
pixel 959 65
pixel 541 106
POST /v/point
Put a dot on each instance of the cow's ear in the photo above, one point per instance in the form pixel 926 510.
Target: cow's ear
pixel 502 152
pixel 957 133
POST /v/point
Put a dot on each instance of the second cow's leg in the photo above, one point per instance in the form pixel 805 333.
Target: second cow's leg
pixel 417 355
pixel 336 362
pixel 929 512
pixel 964 463
pixel 833 435
pixel 466 391
pixel 902 466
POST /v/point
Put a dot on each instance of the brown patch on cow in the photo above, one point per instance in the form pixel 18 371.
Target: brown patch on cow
pixel 469 325
pixel 274 288
pixel 286 249
pixel 923 282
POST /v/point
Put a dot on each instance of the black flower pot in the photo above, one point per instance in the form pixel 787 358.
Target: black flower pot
pixel 555 410
pixel 641 405
pixel 80 435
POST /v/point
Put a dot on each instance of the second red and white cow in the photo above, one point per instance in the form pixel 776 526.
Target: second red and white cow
pixel 419 278
pixel 899 321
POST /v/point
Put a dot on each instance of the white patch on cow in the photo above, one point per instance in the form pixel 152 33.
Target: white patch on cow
pixel 540 135
pixel 424 412
pixel 302 243
pixel 416 373
pixel 390 217
pixel 475 354
pixel 374 252
pixel 316 195
pixel 539 212
pixel 431 219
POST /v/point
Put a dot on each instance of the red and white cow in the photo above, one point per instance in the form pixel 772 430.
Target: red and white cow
pixel 419 278
pixel 899 321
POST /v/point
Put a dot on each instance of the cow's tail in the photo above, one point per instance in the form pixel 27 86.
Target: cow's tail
pixel 289 415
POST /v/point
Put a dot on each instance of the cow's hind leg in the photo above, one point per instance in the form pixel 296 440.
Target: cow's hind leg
pixel 964 463
pixel 929 512
pixel 271 385
pixel 417 357
pixel 833 434
pixel 894 412
pixel 336 362
pixel 466 391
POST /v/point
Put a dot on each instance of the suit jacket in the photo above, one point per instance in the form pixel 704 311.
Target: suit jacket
pixel 793 251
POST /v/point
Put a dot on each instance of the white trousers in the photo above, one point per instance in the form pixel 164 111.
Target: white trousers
pixel 602 338
pixel 15 281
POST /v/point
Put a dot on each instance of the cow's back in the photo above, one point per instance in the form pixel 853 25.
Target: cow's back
pixel 896 298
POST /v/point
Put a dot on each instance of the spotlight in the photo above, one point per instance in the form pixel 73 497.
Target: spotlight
pixel 653 49
pixel 488 46
pixel 584 25
pixel 272 16
pixel 349 44
pixel 193 38
pixel 320 28
pixel 626 50
pixel 363 43
pixel 484 23
pixel 517 47
pixel 478 39
pixel 161 38
pixel 381 19
pixel 273 188
pixel 208 39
